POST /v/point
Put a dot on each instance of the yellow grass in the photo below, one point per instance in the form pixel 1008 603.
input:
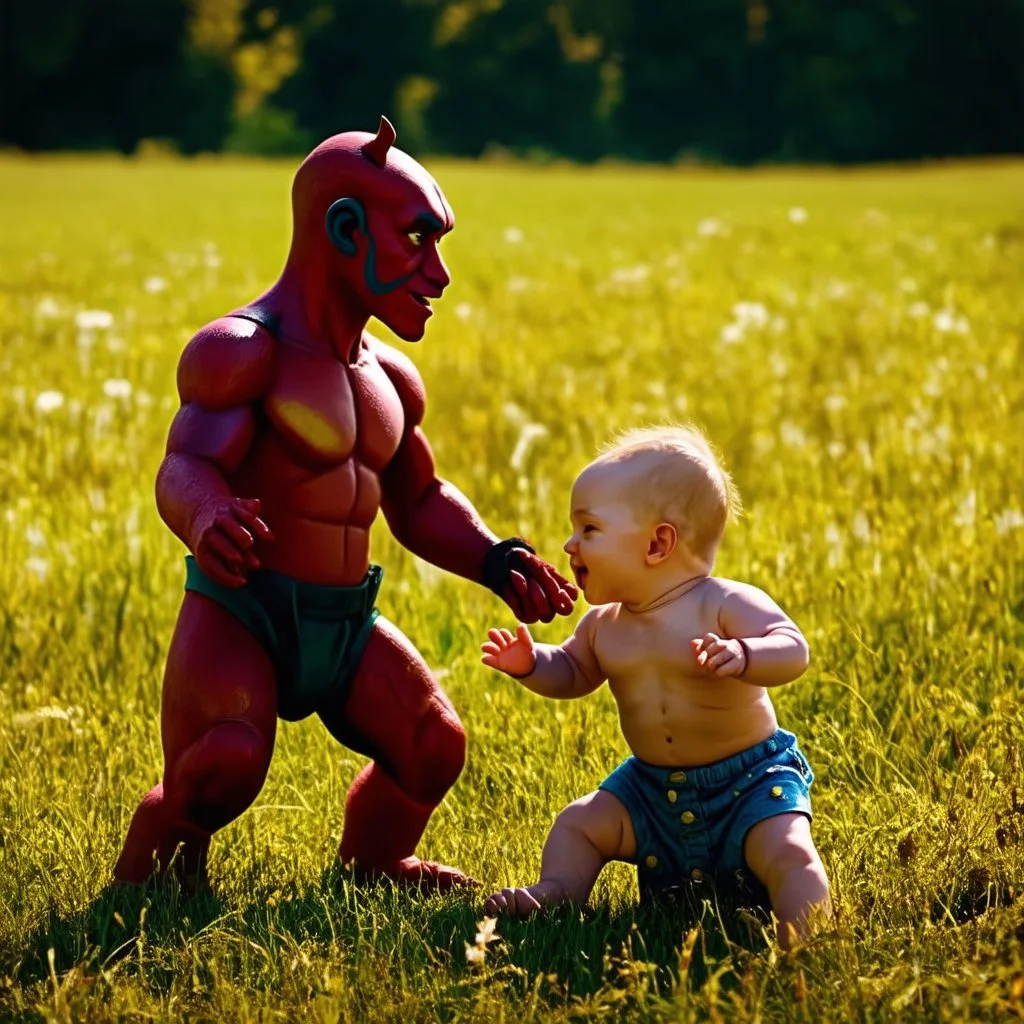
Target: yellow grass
pixel 851 341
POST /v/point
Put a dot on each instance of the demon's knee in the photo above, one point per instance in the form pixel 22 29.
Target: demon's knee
pixel 221 774
pixel 436 758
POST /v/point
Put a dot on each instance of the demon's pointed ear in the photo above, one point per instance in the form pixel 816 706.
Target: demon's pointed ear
pixel 376 150
pixel 344 217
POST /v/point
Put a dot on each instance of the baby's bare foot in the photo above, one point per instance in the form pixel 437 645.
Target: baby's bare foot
pixel 522 902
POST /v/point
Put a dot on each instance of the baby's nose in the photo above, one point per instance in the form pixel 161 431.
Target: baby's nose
pixel 569 544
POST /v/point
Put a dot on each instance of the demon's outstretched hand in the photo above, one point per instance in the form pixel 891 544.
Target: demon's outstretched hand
pixel 295 428
pixel 527 584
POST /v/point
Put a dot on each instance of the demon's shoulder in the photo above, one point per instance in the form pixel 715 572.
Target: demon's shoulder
pixel 229 362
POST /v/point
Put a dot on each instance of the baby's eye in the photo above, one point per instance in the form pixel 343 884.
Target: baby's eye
pixel 589 528
pixel 416 237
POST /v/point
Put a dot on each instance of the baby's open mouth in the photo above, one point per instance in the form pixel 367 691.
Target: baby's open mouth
pixel 580 572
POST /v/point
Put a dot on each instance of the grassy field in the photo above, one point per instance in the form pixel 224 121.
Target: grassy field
pixel 851 341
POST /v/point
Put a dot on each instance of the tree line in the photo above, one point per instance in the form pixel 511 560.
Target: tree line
pixel 736 81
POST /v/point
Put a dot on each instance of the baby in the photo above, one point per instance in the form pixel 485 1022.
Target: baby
pixel 714 785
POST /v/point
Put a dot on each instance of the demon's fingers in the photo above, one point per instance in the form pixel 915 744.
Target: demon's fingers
pixel 251 519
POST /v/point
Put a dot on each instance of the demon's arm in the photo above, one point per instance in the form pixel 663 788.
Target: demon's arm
pixel 224 369
pixel 435 521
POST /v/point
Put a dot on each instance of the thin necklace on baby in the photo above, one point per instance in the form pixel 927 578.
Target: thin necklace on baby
pixel 671 594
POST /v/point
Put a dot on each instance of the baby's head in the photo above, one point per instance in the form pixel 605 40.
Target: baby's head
pixel 655 497
pixel 671 474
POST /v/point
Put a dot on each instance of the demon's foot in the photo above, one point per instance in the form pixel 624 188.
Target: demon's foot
pixel 413 873
pixel 158 845
pixel 524 902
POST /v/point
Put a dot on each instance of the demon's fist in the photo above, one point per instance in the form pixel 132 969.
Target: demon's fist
pixel 223 537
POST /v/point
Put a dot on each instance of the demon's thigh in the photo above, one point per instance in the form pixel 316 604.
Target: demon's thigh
pixel 218 722
pixel 398 715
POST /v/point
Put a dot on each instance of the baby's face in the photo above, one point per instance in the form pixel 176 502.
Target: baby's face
pixel 609 537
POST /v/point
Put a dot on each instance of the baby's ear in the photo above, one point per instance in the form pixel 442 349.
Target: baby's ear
pixel 661 544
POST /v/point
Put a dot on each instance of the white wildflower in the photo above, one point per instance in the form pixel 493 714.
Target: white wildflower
pixel 94 319
pixel 117 387
pixel 791 435
pixel 1009 519
pixel 47 307
pixel 513 235
pixel 38 567
pixel 750 314
pixel 485 935
pixel 709 227
pixel 967 511
pixel 946 321
pixel 631 275
pixel 513 413
pixel 48 713
pixel 518 284
pixel 797 215
pixel 918 309
pixel 463 310
pixel 860 527
pixel 529 433
pixel 731 334
pixel 834 540
pixel 47 401
pixel 154 284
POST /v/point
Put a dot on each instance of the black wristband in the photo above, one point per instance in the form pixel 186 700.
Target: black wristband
pixel 496 568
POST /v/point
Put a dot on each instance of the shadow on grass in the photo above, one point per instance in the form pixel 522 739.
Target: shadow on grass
pixel 113 927
pixel 575 951
pixel 568 952
pixel 672 938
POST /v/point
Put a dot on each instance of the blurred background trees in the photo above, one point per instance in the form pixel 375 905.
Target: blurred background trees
pixel 737 81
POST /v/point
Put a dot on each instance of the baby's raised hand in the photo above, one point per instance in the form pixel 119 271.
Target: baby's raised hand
pixel 513 655
pixel 718 656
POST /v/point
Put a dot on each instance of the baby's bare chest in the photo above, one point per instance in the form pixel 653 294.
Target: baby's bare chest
pixel 327 412
pixel 631 647
pixel 626 653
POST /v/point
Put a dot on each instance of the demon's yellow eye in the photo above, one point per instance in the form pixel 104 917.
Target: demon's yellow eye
pixel 416 237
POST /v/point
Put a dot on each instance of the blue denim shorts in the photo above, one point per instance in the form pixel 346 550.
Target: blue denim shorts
pixel 691 822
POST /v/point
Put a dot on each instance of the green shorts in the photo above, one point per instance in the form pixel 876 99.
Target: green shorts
pixel 314 635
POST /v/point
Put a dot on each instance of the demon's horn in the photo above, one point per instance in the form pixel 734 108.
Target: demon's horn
pixel 376 150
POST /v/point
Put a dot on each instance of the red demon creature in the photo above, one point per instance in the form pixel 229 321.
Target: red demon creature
pixel 295 428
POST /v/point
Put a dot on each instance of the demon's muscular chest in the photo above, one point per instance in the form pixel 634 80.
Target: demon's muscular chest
pixel 327 412
pixel 328 431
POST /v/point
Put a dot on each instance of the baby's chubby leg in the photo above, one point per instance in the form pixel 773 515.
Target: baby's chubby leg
pixel 586 835
pixel 781 853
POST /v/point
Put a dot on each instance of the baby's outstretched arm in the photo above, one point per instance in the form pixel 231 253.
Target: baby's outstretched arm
pixel 561 672
pixel 756 642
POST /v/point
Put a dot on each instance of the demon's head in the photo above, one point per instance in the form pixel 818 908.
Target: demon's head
pixel 368 220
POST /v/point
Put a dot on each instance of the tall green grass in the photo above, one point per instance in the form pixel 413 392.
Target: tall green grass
pixel 852 342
